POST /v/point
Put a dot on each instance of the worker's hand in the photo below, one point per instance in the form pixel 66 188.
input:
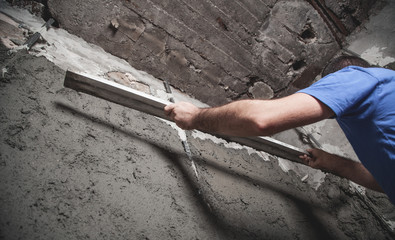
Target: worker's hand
pixel 183 114
pixel 320 159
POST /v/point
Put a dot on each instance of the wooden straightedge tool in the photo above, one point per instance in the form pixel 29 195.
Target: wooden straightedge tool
pixel 146 103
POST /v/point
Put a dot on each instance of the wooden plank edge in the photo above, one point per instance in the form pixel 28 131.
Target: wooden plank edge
pixel 131 98
pixel 116 93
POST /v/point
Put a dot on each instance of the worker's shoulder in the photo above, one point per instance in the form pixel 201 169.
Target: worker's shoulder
pixel 376 72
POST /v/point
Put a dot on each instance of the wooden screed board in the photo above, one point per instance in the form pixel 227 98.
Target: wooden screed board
pixel 146 103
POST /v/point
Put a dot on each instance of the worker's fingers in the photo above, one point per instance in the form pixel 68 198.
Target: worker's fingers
pixel 315 152
pixel 306 159
pixel 169 109
pixel 182 114
pixel 312 158
pixel 318 159
pixel 311 151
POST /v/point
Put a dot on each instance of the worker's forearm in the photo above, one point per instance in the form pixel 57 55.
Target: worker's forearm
pixel 250 117
pixel 236 118
pixel 355 172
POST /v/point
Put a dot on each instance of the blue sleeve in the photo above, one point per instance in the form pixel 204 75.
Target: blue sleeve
pixel 346 91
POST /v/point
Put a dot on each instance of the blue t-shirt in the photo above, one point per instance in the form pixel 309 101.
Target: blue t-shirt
pixel 363 100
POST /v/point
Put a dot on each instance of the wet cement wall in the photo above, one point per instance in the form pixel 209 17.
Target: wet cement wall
pixel 76 167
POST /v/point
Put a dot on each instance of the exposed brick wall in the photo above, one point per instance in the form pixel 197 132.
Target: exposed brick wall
pixel 218 50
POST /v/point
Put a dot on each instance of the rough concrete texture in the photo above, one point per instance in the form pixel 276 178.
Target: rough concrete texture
pixel 76 167
pixel 61 179
pixel 218 48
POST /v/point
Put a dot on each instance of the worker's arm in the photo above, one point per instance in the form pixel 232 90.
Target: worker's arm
pixel 342 167
pixel 251 117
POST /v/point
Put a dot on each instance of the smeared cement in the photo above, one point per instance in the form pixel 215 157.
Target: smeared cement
pixel 73 53
pixel 256 208
pixel 376 55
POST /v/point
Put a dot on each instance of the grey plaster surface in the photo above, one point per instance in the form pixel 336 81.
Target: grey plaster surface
pixel 76 167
